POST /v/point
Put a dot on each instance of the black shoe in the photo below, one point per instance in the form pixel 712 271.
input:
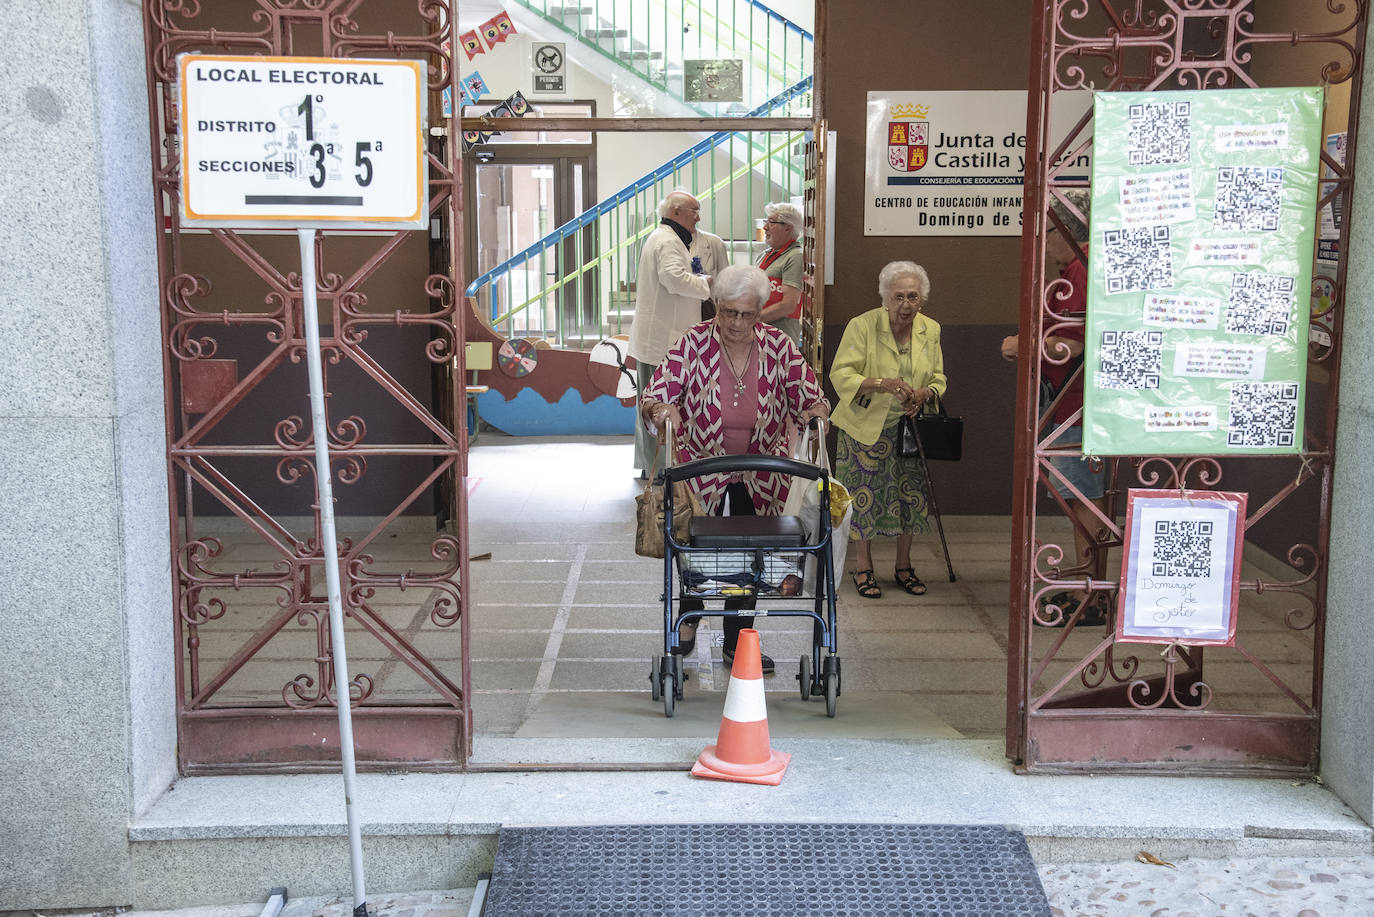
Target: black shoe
pixel 1066 604
pixel 685 646
pixel 766 661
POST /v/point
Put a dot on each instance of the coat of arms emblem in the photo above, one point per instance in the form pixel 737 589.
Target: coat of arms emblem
pixel 907 143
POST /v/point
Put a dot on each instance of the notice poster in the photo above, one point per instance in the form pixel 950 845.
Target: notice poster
pixel 1200 271
pixel 953 163
pixel 1180 567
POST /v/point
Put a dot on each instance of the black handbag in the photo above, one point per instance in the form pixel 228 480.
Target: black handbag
pixel 941 436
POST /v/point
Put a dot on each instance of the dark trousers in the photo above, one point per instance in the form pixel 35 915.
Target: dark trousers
pixel 737 497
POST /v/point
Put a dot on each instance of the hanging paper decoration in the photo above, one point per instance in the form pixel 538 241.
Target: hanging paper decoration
pixel 492 34
pixel 472 44
pixel 474 87
pixel 497 29
pixel 519 105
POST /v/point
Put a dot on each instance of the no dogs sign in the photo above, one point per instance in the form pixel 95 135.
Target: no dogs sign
pixel 302 141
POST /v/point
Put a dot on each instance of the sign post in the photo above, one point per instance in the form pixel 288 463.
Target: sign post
pixel 308 143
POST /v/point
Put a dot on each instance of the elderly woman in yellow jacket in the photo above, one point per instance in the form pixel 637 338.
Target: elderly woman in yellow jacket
pixel 888 364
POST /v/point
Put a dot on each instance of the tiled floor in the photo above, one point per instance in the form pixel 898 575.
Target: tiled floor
pixel 565 620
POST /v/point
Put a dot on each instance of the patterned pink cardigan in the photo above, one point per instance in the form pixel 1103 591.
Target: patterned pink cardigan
pixel 689 377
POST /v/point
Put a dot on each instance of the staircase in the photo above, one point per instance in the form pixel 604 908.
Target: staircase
pixel 575 286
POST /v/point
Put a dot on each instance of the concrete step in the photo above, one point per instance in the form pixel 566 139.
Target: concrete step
pixel 438 830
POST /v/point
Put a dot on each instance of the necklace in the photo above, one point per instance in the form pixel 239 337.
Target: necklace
pixel 737 373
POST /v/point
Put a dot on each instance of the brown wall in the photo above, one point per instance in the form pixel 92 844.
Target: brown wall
pixel 896 45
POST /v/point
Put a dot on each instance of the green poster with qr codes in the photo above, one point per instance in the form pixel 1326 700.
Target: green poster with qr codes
pixel 1202 222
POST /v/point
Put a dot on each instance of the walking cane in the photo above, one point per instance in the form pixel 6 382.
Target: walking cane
pixel 934 507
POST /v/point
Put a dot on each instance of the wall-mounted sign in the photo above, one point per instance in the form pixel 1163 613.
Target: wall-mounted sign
pixel 713 81
pixel 1180 567
pixel 953 163
pixel 549 64
pixel 1200 271
pixel 302 141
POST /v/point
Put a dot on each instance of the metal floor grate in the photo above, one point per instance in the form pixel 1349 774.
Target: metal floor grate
pixel 762 870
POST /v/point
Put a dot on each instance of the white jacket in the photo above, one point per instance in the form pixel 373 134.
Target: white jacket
pixel 668 296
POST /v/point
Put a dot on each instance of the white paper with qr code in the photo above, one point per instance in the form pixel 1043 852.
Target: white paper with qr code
pixel 1180 570
pixel 1202 228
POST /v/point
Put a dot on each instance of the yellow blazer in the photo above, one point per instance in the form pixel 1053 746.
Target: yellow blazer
pixel 868 349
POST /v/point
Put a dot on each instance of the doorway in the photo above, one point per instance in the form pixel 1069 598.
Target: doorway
pixel 525 185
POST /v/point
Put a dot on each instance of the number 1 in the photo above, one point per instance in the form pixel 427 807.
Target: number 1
pixel 309 111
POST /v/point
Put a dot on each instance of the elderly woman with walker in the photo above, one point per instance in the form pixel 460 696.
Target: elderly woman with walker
pixel 733 385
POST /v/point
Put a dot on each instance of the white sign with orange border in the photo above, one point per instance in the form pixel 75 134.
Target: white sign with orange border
pixel 302 142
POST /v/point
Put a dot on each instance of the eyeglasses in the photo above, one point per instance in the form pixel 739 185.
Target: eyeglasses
pixel 735 315
pixel 914 298
pixel 776 223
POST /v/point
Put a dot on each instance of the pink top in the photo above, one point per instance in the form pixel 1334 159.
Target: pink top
pixel 737 421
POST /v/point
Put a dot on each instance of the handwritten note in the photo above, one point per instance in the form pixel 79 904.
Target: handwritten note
pixel 1180 419
pixel 1174 311
pixel 1246 138
pixel 1160 197
pixel 1224 251
pixel 1219 361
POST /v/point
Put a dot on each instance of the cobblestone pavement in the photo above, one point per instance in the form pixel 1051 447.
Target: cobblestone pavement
pixel 1260 887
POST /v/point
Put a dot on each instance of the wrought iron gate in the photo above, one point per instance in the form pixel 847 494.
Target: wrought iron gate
pixel 1076 699
pixel 254 659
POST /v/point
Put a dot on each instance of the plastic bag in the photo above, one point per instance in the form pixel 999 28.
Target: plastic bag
pixel 804 499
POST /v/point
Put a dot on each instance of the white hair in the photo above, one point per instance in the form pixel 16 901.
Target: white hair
pixel 673 201
pixel 740 281
pixel 895 269
pixel 786 213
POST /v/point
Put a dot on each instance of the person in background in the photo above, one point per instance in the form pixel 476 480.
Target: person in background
pixel 733 386
pixel 668 300
pixel 709 257
pixel 782 262
pixel 888 364
pixel 1060 378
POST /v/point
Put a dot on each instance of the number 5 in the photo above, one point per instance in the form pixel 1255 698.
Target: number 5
pixel 363 178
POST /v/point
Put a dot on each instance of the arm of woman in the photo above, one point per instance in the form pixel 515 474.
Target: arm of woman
pixel 849 369
pixel 802 390
pixel 660 402
pixel 932 373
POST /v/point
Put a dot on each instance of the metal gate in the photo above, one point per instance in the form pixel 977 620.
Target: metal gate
pixel 254 656
pixel 1078 701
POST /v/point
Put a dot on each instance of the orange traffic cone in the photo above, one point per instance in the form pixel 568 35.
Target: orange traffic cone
pixel 741 752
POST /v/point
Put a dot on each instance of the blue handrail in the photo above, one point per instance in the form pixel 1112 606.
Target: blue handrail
pixel 629 191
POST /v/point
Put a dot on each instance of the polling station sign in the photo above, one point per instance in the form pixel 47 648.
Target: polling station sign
pixel 953 163
pixel 302 142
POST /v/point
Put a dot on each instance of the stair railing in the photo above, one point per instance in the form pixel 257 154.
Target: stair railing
pixel 576 285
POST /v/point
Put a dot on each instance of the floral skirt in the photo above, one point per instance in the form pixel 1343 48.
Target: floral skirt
pixel 889 492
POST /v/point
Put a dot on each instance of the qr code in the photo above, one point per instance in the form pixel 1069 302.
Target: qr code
pixel 1138 259
pixel 1248 198
pixel 1183 547
pixel 1260 303
pixel 1130 359
pixel 1263 414
pixel 1159 132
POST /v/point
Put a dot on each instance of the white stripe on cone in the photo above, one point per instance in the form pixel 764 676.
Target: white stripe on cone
pixel 744 700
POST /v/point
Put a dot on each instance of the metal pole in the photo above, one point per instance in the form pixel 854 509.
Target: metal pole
pixel 325 490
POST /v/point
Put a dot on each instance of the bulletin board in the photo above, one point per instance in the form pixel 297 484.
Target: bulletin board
pixel 1200 271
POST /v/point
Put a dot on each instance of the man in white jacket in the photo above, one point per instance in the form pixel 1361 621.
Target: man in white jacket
pixel 668 301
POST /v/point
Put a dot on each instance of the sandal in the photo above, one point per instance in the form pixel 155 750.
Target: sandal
pixel 868 586
pixel 906 578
